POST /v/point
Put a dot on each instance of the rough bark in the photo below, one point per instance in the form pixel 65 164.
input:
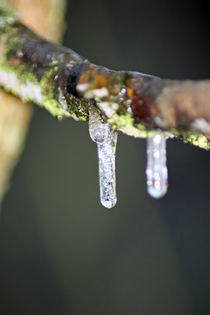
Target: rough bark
pixel 66 84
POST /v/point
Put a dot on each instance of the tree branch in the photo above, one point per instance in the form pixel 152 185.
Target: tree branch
pixel 66 84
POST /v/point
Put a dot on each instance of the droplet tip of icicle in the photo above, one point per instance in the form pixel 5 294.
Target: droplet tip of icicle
pixel 157 194
pixel 109 203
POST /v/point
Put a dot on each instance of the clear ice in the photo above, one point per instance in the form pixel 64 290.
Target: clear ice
pixel 106 140
pixel 156 170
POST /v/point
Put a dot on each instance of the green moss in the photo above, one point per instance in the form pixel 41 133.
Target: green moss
pixel 119 120
pixel 200 141
pixel 52 106
pixel 8 15
pixel 126 125
pixel 192 137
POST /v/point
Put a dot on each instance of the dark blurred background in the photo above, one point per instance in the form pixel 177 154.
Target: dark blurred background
pixel 61 252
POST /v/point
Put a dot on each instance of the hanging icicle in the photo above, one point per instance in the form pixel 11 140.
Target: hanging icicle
pixel 106 140
pixel 156 170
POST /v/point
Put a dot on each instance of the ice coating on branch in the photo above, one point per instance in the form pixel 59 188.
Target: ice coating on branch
pixel 97 129
pixel 106 140
pixel 156 170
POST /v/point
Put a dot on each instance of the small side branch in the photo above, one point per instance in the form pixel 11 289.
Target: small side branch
pixel 65 83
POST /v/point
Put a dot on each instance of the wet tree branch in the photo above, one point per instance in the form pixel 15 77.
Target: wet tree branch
pixel 65 83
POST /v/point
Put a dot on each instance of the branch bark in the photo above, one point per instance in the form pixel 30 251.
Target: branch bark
pixel 65 83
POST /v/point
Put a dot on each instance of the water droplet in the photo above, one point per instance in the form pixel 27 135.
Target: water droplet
pixel 20 54
pixel 60 117
pixel 156 171
pixel 106 140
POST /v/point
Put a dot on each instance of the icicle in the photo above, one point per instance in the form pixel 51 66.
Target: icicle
pixel 106 140
pixel 156 171
pixel 106 162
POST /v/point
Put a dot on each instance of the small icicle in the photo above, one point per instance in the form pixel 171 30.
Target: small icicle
pixel 156 171
pixel 106 162
pixel 106 140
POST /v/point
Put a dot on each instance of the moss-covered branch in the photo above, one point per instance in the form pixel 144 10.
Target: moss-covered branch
pixel 65 84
